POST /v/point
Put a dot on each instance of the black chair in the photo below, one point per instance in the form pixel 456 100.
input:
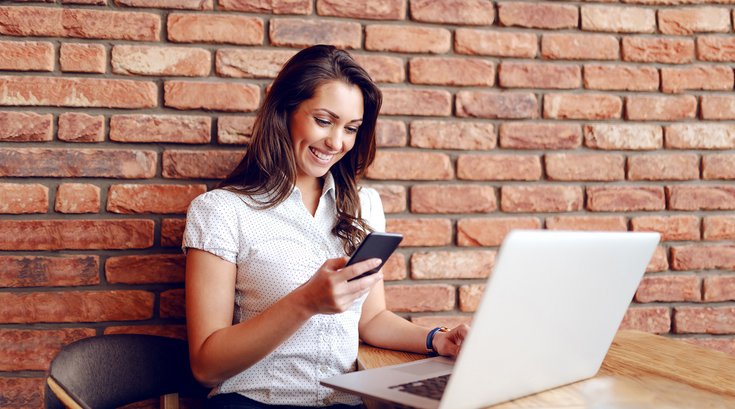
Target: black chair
pixel 115 370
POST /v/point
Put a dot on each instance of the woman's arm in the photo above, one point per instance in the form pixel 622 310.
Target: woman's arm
pixel 219 350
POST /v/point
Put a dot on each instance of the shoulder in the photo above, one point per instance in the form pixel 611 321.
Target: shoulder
pixel 372 208
pixel 369 198
pixel 219 201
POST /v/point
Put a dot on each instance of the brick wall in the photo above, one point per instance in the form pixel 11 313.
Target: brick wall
pixel 114 114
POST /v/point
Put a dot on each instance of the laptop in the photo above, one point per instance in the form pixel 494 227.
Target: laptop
pixel 548 315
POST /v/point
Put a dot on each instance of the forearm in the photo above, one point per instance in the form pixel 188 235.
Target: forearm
pixel 390 331
pixel 229 351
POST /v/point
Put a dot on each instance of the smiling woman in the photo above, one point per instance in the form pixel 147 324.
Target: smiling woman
pixel 270 306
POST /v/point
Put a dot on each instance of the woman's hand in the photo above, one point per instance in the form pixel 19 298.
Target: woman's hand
pixel 328 292
pixel 449 343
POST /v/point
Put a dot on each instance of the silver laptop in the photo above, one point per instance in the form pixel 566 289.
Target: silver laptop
pixel 550 310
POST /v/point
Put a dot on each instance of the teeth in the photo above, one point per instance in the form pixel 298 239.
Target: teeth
pixel 320 155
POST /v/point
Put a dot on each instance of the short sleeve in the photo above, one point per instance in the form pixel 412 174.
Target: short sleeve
pixel 372 209
pixel 211 225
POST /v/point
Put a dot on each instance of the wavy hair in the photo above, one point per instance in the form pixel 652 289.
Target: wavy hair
pixel 268 169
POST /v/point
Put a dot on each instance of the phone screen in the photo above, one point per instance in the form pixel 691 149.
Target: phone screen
pixel 376 245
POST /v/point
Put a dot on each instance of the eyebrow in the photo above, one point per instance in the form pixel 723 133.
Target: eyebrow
pixel 335 116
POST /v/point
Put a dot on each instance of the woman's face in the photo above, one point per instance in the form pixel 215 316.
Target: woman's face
pixel 324 127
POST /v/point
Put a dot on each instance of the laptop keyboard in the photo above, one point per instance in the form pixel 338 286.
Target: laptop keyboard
pixel 432 388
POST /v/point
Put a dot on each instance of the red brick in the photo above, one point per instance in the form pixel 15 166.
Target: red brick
pixel 618 19
pixel 539 75
pixel 698 257
pixel 77 92
pixel 170 331
pixel 495 43
pixel 470 296
pixel 420 298
pixel 464 12
pixel 502 105
pixel 707 320
pixel 267 6
pixel 499 167
pixel 77 198
pixel 671 228
pixel 114 163
pixel 539 199
pixel 656 320
pixel 451 71
pixel 623 136
pixel 217 29
pixel 382 10
pixel 17 393
pixel 152 198
pixel 718 228
pixel 580 47
pixel 26 56
pixel 716 48
pixel 625 198
pixel 81 127
pixel 718 107
pixel 449 321
pixel 88 2
pixel 172 232
pixel 382 68
pixel 393 197
pixel 160 61
pixel 668 288
pixel 537 15
pixel 199 164
pixel 33 350
pixel 723 344
pixel 658 50
pixel 422 232
pixel 79 23
pixel 303 33
pixel 708 197
pixel 41 271
pixel 701 77
pixel 453 199
pixel 718 167
pixel 399 165
pixel 690 20
pixel 153 268
pixel 582 106
pixel 23 198
pixel 235 130
pixel 167 4
pixel 700 136
pixel 584 166
pixel 490 232
pixel 587 223
pixel 218 96
pixel 663 167
pixel 90 58
pixel 440 265
pixel 659 262
pixel 76 306
pixel 407 39
pixel 75 234
pixel 395 268
pixel 660 108
pixel 423 102
pixel 389 133
pixel 160 128
pixel 25 127
pixel 719 288
pixel 452 135
pixel 250 63
pixel 548 136
pixel 620 78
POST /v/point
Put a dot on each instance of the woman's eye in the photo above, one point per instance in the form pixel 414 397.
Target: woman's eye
pixel 322 122
pixel 352 130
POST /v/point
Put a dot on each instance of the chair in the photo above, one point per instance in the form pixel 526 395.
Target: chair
pixel 115 370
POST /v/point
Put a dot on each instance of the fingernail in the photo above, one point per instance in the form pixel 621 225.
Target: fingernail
pixel 376 261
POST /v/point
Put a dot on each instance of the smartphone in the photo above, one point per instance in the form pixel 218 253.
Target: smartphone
pixel 375 245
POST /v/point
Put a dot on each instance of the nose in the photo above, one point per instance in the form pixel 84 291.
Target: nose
pixel 335 140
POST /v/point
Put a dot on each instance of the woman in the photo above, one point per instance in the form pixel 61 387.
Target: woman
pixel 269 309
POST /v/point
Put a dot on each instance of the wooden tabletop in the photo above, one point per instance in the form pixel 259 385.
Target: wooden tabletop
pixel 640 371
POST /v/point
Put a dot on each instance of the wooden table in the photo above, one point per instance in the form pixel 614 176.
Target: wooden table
pixel 640 371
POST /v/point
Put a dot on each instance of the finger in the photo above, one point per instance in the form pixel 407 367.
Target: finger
pixel 364 283
pixel 335 264
pixel 359 268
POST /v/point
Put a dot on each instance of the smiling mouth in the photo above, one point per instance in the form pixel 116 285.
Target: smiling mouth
pixel 323 157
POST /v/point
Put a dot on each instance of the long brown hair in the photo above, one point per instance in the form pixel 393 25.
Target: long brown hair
pixel 268 169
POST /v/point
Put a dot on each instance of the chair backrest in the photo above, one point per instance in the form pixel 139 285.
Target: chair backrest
pixel 115 370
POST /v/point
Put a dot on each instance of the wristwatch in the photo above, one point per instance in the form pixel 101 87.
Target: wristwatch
pixel 430 339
